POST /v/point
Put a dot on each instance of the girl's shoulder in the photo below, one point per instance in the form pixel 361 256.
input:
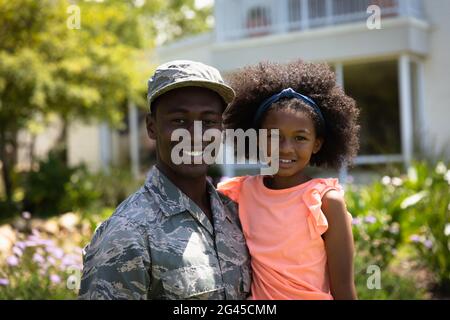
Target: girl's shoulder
pixel 312 198
pixel 231 187
pixel 323 185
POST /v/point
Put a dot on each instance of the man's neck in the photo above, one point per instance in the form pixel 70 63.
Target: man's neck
pixel 194 188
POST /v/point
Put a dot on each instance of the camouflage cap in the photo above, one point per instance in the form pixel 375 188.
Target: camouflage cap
pixel 185 73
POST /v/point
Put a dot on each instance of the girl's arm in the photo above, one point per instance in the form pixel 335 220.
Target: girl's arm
pixel 339 246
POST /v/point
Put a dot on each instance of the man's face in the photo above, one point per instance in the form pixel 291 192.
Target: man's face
pixel 178 109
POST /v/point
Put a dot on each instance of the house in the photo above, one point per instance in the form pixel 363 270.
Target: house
pixel 399 73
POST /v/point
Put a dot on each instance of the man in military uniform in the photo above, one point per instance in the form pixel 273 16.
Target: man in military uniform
pixel 176 237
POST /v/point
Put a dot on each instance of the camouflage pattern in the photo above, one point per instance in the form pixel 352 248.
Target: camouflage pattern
pixel 159 244
pixel 185 73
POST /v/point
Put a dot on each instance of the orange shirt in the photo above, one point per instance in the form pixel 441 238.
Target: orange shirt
pixel 283 229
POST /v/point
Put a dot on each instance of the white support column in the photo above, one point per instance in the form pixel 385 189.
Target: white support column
pixel 406 112
pixel 421 131
pixel 329 12
pixel 282 9
pixel 339 71
pixel 133 123
pixel 105 147
pixel 403 7
pixel 304 12
pixel 218 14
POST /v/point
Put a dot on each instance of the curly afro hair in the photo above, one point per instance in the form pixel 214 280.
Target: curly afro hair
pixel 254 84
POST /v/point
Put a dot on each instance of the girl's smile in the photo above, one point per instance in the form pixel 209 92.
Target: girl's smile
pixel 297 143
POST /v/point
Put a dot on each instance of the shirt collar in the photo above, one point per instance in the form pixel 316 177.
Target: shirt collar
pixel 173 201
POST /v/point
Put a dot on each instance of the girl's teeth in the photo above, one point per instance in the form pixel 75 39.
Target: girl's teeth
pixel 286 161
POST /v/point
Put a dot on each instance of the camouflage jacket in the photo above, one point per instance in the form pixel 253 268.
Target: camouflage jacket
pixel 159 244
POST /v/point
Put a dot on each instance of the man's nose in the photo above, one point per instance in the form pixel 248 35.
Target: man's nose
pixel 196 129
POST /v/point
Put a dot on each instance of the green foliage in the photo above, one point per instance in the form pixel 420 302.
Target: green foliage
pixel 56 188
pixel 45 264
pixel 48 67
pixel 411 209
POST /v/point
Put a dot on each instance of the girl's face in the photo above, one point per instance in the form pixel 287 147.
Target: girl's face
pixel 297 138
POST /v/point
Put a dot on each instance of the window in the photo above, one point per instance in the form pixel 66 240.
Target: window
pixel 258 21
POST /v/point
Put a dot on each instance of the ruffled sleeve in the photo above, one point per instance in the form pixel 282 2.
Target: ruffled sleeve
pixel 232 187
pixel 312 198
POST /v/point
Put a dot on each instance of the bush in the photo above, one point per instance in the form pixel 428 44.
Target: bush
pixel 411 209
pixel 56 188
pixel 45 264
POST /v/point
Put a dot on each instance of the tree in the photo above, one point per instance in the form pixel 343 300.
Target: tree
pixel 50 66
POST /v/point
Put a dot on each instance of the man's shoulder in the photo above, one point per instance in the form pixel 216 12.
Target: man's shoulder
pixel 139 208
pixel 231 207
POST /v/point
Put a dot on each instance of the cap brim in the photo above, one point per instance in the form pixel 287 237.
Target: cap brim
pixel 226 92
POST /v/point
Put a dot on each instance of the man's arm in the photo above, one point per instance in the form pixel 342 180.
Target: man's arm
pixel 339 246
pixel 116 263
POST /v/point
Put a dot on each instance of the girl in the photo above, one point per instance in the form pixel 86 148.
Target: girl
pixel 298 230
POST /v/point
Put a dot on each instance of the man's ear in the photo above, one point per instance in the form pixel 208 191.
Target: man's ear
pixel 317 145
pixel 150 121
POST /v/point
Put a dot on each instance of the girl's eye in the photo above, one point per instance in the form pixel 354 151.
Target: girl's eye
pixel 300 138
pixel 179 121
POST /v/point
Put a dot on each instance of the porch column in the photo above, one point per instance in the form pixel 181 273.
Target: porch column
pixel 133 124
pixel 329 12
pixel 406 112
pixel 105 147
pixel 419 102
pixel 282 7
pixel 304 12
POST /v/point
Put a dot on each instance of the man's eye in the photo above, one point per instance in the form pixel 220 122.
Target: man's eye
pixel 211 122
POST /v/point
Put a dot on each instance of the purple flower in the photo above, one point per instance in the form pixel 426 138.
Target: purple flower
pixel 37 241
pixel 428 244
pixel 4 282
pixel 58 253
pixel 12 261
pixel 415 238
pixel 54 278
pixel 370 219
pixel 17 251
pixel 31 243
pixel 38 258
pixel 70 260
pixel 356 221
pixel 51 261
pixel 21 245
pixel 26 215
pixel 395 228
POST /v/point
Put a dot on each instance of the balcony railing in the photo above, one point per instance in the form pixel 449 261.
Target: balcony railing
pixel 237 19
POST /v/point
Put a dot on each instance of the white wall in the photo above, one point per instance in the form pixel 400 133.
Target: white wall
pixel 197 48
pixel 83 145
pixel 437 78
pixel 338 43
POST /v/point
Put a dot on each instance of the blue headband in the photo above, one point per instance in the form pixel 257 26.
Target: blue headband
pixel 286 93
